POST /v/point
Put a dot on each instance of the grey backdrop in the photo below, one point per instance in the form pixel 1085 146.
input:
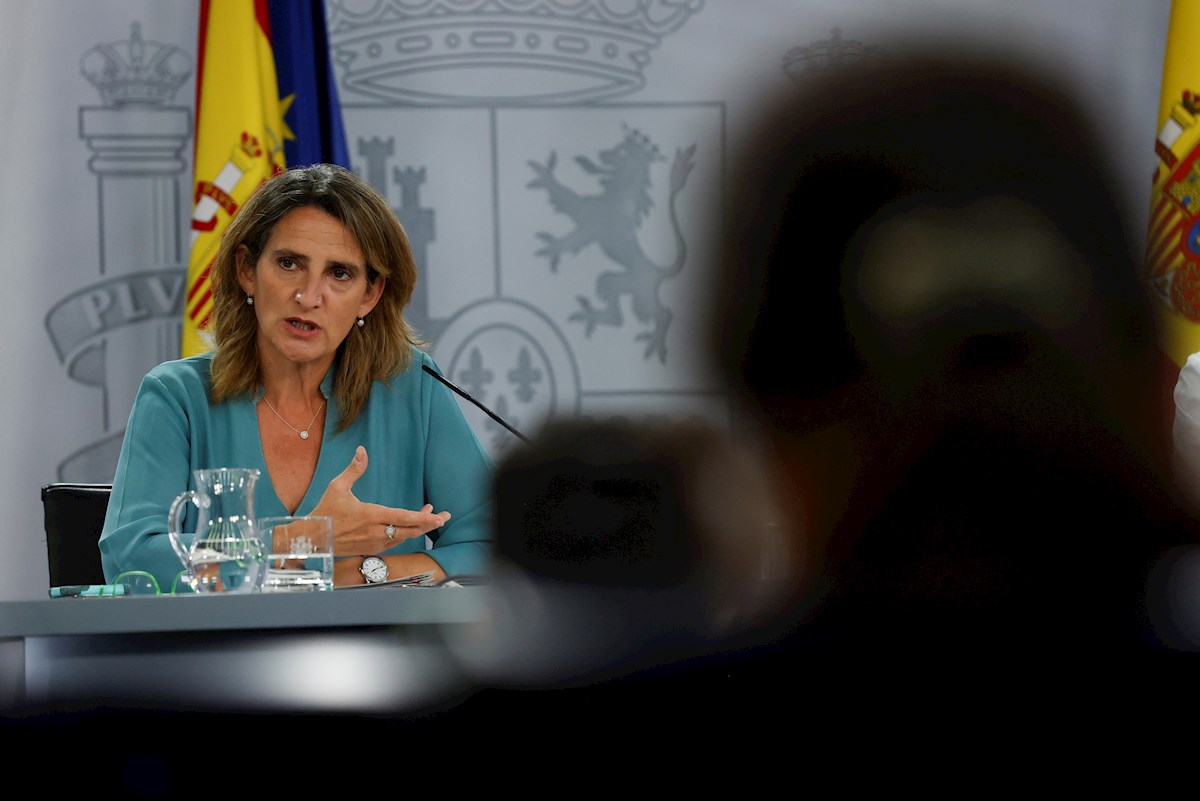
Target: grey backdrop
pixel 467 122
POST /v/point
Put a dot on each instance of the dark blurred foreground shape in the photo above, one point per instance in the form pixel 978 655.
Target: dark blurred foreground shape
pixel 622 546
pixel 930 302
pixel 928 306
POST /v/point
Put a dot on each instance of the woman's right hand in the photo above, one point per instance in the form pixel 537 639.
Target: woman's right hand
pixel 361 528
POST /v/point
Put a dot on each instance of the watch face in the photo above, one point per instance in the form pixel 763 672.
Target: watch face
pixel 374 570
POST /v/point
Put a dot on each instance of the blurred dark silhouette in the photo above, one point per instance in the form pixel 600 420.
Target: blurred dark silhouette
pixel 622 545
pixel 928 306
pixel 928 298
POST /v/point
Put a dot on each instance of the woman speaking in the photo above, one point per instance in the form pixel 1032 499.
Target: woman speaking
pixel 315 379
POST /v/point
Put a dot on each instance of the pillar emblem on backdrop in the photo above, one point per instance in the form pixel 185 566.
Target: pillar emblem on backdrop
pixel 552 218
pixel 108 334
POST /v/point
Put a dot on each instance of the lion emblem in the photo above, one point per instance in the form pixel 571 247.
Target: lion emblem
pixel 610 219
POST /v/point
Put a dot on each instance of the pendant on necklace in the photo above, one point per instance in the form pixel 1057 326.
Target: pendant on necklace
pixel 303 434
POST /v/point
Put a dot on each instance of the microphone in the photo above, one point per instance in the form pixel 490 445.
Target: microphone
pixel 463 394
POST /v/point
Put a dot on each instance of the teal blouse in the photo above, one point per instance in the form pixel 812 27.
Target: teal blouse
pixel 420 449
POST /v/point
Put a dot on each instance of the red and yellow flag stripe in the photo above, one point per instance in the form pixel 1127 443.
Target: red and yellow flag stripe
pixel 239 138
pixel 1173 236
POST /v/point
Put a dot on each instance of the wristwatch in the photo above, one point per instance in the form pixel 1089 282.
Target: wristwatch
pixel 374 570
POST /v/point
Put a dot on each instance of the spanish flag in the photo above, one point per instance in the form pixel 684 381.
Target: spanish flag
pixel 1173 239
pixel 263 102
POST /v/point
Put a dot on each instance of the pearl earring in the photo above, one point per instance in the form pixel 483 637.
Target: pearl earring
pixel 249 300
pixel 360 322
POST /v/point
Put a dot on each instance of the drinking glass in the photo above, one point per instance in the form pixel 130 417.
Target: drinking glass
pixel 301 553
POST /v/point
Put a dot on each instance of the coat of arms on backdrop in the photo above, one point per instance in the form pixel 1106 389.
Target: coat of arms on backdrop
pixel 555 228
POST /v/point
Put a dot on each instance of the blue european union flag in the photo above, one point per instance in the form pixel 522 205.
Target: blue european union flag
pixel 304 72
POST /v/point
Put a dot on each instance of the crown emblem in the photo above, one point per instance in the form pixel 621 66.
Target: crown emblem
pixel 499 51
pixel 136 72
pixel 638 140
pixel 827 54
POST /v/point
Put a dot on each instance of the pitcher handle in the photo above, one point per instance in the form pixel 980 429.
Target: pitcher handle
pixel 175 525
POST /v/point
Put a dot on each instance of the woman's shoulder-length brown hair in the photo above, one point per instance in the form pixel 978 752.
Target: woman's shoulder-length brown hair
pixel 380 348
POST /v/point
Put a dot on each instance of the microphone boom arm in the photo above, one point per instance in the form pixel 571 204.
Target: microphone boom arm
pixel 482 408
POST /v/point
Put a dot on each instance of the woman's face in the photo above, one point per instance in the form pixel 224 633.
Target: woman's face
pixel 309 287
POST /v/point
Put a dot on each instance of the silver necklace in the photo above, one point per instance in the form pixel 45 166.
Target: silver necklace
pixel 303 434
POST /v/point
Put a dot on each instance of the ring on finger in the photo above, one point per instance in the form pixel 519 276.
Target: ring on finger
pixel 390 531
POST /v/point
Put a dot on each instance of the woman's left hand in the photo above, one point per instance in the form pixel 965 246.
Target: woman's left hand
pixel 361 528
